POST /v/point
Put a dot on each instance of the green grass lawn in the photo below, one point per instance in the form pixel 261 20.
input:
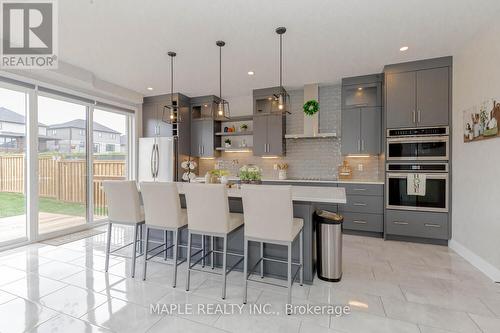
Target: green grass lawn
pixel 12 204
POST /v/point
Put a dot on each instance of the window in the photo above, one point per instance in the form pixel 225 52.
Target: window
pixel 99 134
pixel 82 132
pixel 113 161
pixel 13 227
pixel 113 136
pixel 62 181
pixel 54 132
pixel 0 126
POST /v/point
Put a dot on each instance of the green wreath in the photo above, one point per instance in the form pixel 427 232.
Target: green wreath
pixel 311 107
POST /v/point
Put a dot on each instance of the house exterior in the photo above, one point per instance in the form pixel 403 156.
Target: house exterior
pixel 13 132
pixel 70 137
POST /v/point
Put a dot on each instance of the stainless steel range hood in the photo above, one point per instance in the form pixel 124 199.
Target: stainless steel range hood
pixel 311 123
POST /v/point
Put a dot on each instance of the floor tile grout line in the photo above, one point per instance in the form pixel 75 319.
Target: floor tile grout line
pixel 476 324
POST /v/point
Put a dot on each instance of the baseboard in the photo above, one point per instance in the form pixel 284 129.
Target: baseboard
pixel 491 271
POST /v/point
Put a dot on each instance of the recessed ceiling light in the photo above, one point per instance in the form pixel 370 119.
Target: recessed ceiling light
pixel 251 73
pixel 404 48
pixel 149 88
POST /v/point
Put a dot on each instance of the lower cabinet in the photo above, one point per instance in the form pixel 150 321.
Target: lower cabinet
pixel 364 210
pixel 417 224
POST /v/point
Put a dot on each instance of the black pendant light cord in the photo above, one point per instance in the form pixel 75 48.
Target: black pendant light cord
pixel 171 80
pixel 281 60
pixel 220 72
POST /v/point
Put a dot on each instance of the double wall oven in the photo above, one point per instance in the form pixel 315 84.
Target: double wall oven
pixel 423 151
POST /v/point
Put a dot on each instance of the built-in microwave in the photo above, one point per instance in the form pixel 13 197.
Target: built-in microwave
pixel 436 197
pixel 428 144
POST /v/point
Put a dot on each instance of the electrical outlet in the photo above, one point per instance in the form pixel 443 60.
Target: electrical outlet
pixel 275 166
pixel 360 167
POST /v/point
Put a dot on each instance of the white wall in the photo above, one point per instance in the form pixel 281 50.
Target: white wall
pixel 476 165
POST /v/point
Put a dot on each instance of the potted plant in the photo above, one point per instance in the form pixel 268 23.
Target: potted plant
pixel 219 176
pixel 282 170
pixel 250 174
pixel 227 143
pixel 311 107
pixel 244 127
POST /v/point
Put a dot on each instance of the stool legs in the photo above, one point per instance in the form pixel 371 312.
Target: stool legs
pixel 245 269
pixel 176 244
pixel 188 261
pixel 212 248
pixel 108 247
pixel 203 252
pixel 165 239
pixel 261 260
pixel 146 255
pixel 301 260
pixel 134 250
pixel 289 264
pixel 224 263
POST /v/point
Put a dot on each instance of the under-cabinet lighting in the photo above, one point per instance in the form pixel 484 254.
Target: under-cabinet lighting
pixel 360 88
pixel 238 151
pixel 404 48
pixel 358 156
pixel 270 156
pixel 207 158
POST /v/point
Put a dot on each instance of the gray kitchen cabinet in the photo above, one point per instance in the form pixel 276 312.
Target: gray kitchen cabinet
pixel 268 134
pixel 259 135
pixel 401 99
pixel 364 208
pixel 362 131
pixel 371 130
pixel 417 224
pixel 351 127
pixel 417 94
pixel 203 140
pixel 152 121
pixel 433 97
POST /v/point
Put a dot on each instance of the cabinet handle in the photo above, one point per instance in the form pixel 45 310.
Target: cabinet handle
pixel 359 145
pixel 400 223
pixel 359 189
pixel 359 204
pixel 414 117
pixel 359 222
pixel 362 145
pixel 418 116
pixel 432 225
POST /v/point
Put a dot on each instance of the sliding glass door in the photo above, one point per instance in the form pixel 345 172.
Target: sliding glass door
pixel 13 112
pixel 62 164
pixel 110 153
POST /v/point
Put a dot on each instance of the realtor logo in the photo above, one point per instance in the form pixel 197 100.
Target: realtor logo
pixel 29 34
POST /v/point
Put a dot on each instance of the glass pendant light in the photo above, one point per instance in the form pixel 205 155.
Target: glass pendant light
pixel 172 109
pixel 223 105
pixel 282 96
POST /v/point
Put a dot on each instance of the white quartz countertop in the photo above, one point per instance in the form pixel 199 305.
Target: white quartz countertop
pixel 335 195
pixel 312 181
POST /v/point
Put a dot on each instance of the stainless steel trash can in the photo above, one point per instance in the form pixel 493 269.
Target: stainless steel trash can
pixel 329 245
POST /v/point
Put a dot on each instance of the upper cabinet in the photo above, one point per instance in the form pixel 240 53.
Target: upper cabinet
pixel 265 101
pixel 418 93
pixel 154 116
pixel 362 115
pixel 268 133
pixel 204 126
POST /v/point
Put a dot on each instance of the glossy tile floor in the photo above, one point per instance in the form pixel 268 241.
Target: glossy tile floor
pixel 389 286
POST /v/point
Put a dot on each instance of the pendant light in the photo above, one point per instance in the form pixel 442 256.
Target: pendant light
pixel 223 105
pixel 173 114
pixel 282 96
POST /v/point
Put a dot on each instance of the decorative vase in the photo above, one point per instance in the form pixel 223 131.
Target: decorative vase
pixel 227 145
pixel 282 175
pixel 224 180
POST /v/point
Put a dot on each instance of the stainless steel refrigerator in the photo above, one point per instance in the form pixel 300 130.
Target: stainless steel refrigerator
pixel 158 159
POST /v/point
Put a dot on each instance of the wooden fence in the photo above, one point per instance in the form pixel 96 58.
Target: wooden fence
pixel 64 180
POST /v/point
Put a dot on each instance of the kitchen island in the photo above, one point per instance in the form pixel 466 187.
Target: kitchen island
pixel 306 199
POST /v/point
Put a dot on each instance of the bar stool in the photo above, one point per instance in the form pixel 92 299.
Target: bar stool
pixel 163 211
pixel 124 207
pixel 269 218
pixel 208 215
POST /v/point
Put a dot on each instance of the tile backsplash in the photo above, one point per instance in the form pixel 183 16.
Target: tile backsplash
pixel 306 158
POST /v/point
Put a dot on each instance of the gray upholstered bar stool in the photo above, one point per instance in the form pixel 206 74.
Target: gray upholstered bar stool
pixel 269 219
pixel 162 208
pixel 208 215
pixel 124 207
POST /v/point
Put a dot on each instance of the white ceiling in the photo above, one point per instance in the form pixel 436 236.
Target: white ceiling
pixel 125 41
